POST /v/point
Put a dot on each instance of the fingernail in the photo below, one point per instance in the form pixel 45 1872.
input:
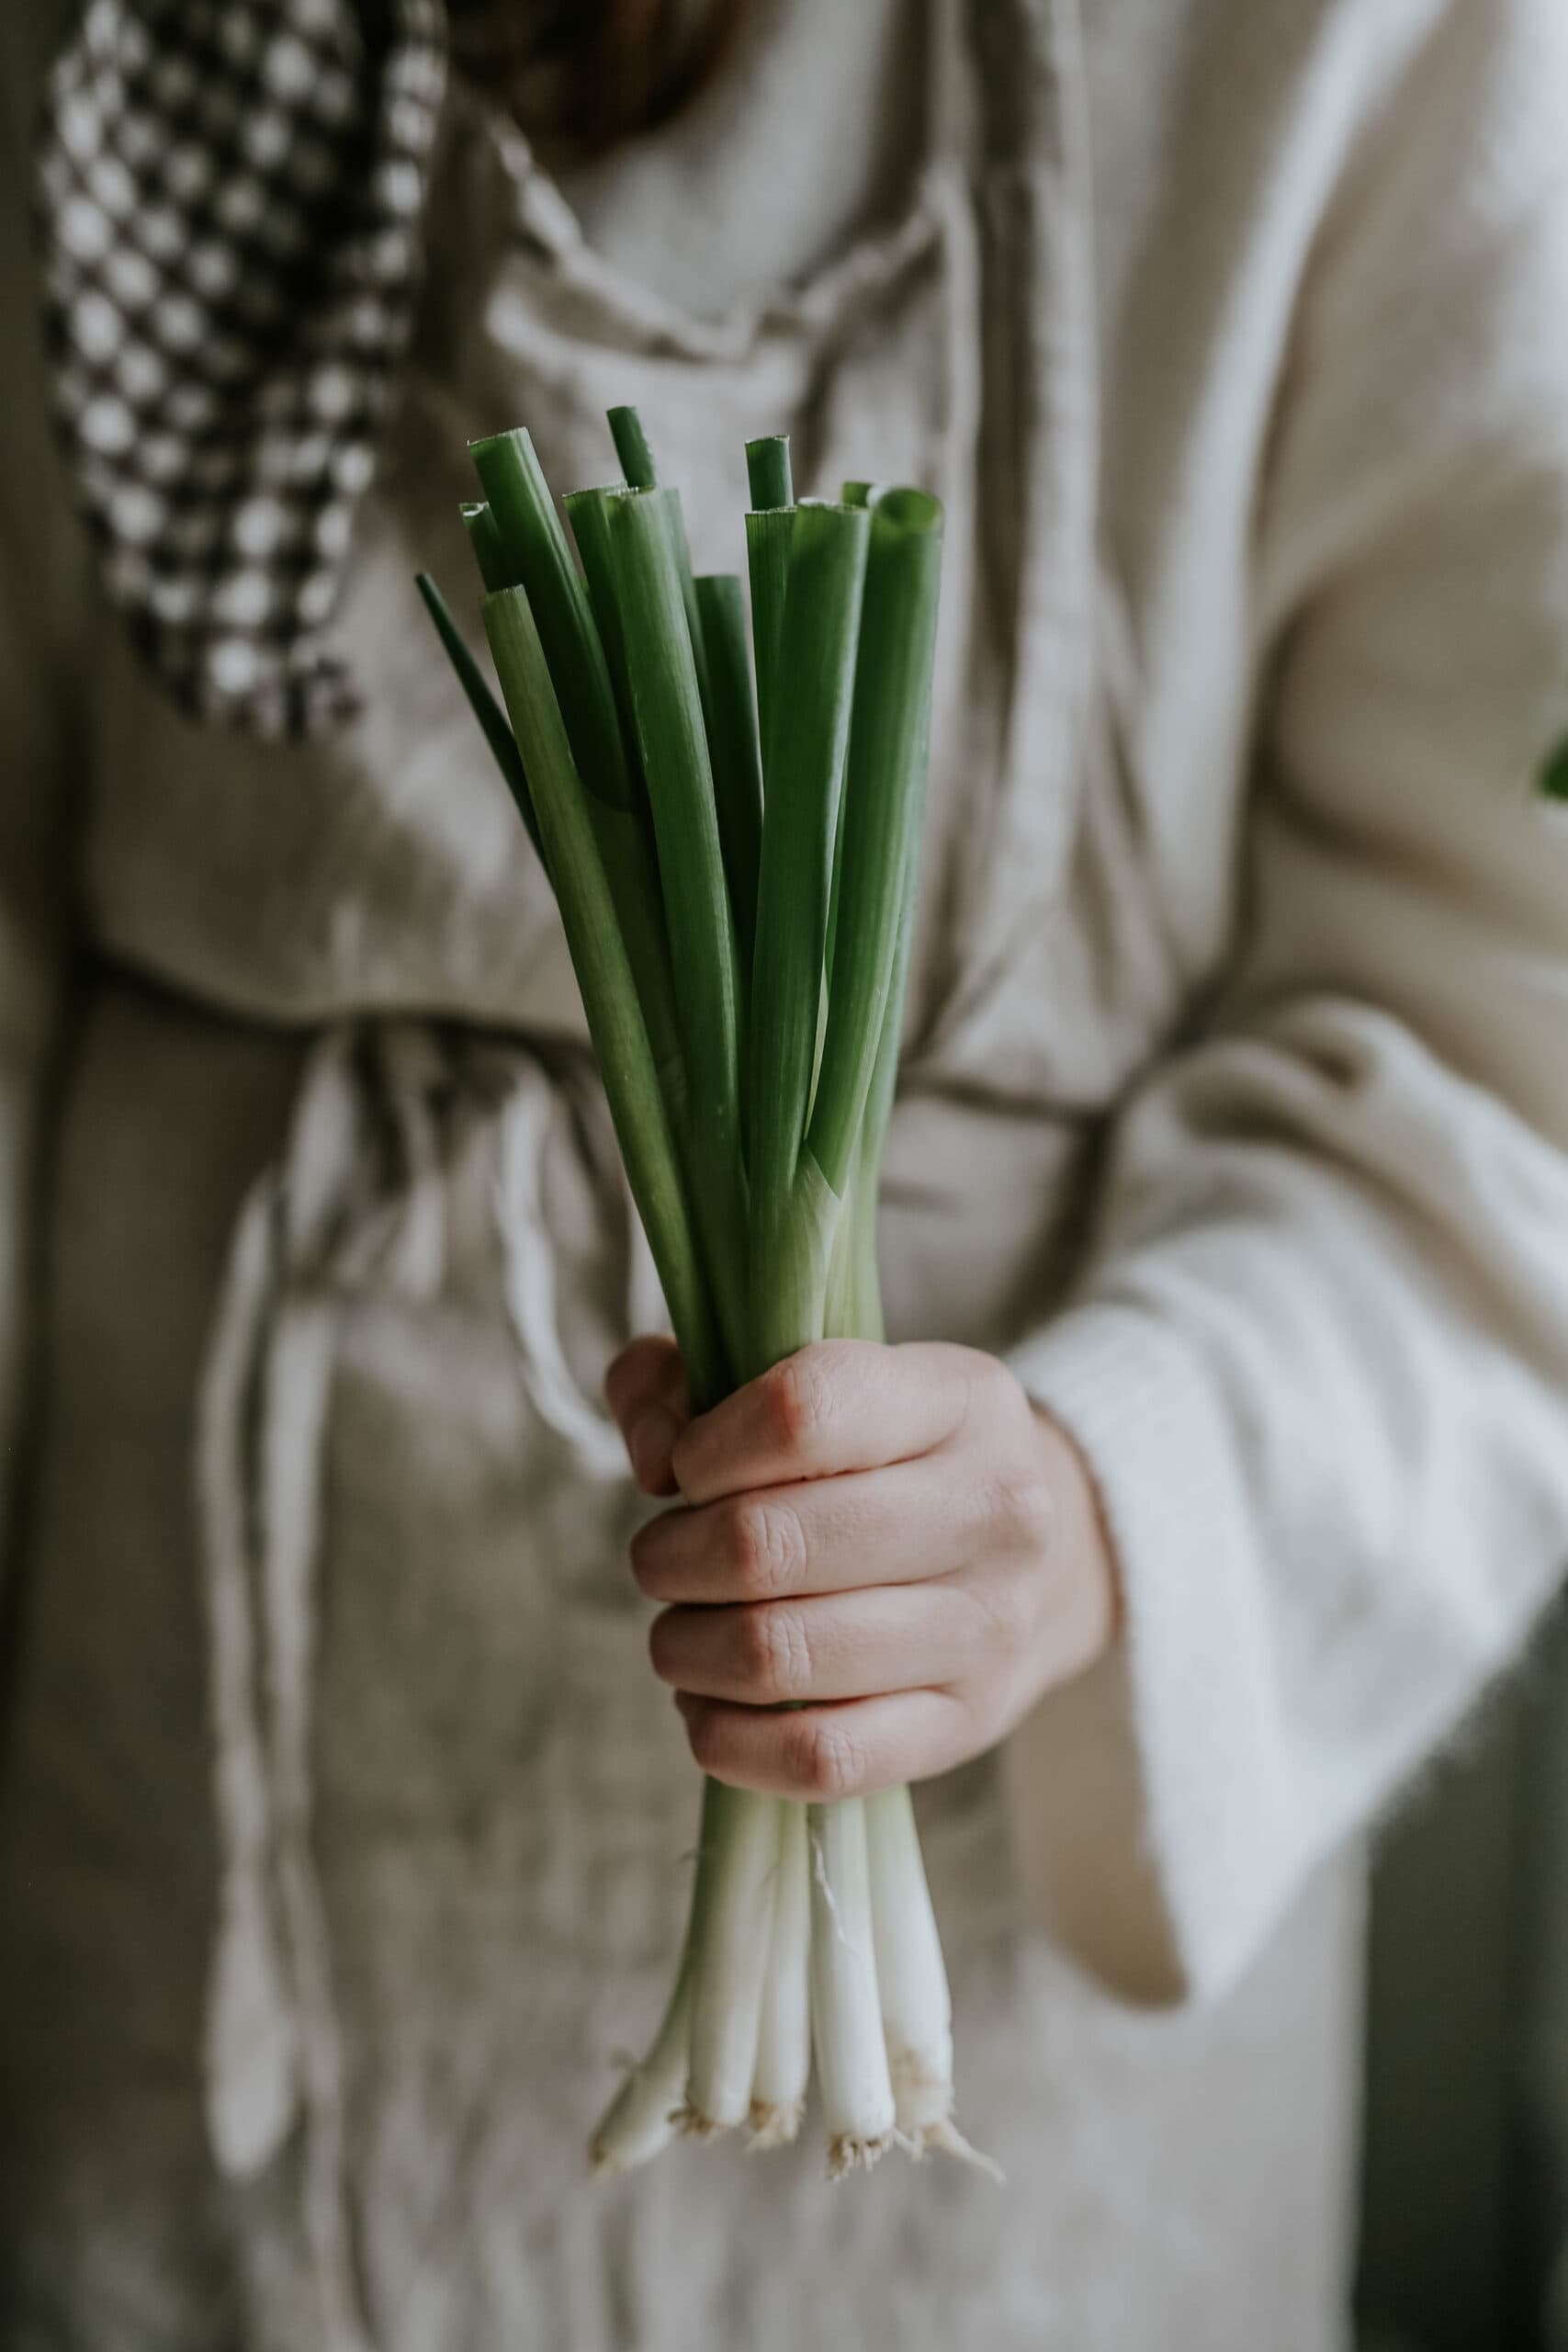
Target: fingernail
pixel 650 1441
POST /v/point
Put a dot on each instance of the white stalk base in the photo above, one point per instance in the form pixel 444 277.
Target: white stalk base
pixel 911 1979
pixel 774 2127
pixel 784 2034
pixel 846 2011
pixel 645 2115
pixel 740 1867
pixel 811 1934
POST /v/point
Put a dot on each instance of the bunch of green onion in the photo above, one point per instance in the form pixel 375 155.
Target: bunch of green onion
pixel 750 1076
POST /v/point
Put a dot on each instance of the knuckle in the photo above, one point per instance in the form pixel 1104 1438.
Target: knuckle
pixel 1008 1609
pixel 826 1761
pixel 794 1400
pixel 776 1655
pixel 766 1546
pixel 1023 1510
pixel 982 1380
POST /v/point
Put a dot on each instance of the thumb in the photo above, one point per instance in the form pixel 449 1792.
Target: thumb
pixel 646 1390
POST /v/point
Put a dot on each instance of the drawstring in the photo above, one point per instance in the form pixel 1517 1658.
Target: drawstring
pixel 295 1397
pixel 339 1212
pixel 250 2053
pixel 529 1280
pixel 273 2049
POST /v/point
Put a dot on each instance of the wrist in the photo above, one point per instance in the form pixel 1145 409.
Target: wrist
pixel 1080 1556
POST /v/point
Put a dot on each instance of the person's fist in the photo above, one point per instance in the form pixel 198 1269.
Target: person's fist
pixel 881 1558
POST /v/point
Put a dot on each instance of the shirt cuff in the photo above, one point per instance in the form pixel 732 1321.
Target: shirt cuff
pixel 1148 1813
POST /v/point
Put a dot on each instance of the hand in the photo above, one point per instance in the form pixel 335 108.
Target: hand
pixel 884 1556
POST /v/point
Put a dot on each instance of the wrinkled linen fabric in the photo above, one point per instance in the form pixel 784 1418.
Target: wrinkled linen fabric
pixel 1234 340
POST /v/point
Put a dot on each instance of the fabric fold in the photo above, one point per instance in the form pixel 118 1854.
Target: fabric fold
pixel 361 1200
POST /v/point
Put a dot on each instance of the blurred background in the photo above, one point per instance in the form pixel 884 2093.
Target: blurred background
pixel 1465 2165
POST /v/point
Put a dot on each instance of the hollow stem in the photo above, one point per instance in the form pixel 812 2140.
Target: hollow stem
pixel 484 538
pixel 633 448
pixel 768 474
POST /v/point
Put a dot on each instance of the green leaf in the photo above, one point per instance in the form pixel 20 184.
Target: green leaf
pixel 485 541
pixel 588 512
pixel 732 745
pixel 626 835
pixel 791 1287
pixel 539 556
pixel 882 804
pixel 1553 780
pixel 640 468
pixel 605 978
pixel 817 637
pixel 768 472
pixel 632 448
pixel 769 539
pixel 482 703
pixel 647 541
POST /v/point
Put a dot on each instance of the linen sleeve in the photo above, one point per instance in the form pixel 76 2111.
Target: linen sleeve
pixel 42 582
pixel 1319 1363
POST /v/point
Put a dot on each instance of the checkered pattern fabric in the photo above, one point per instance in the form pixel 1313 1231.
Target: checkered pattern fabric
pixel 231 195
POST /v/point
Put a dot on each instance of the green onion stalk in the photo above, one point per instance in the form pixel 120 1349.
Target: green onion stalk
pixel 774 831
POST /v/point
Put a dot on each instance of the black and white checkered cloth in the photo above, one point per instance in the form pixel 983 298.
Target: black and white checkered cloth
pixel 232 199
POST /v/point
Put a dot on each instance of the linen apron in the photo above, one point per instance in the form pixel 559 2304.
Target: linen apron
pixel 442 1862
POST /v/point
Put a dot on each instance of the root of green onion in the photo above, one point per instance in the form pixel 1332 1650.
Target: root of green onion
pixel 774 2126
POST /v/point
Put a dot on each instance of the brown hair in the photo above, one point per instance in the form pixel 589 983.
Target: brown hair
pixel 580 76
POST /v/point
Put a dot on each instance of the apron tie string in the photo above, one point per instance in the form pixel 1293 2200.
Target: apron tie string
pixel 359 1196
